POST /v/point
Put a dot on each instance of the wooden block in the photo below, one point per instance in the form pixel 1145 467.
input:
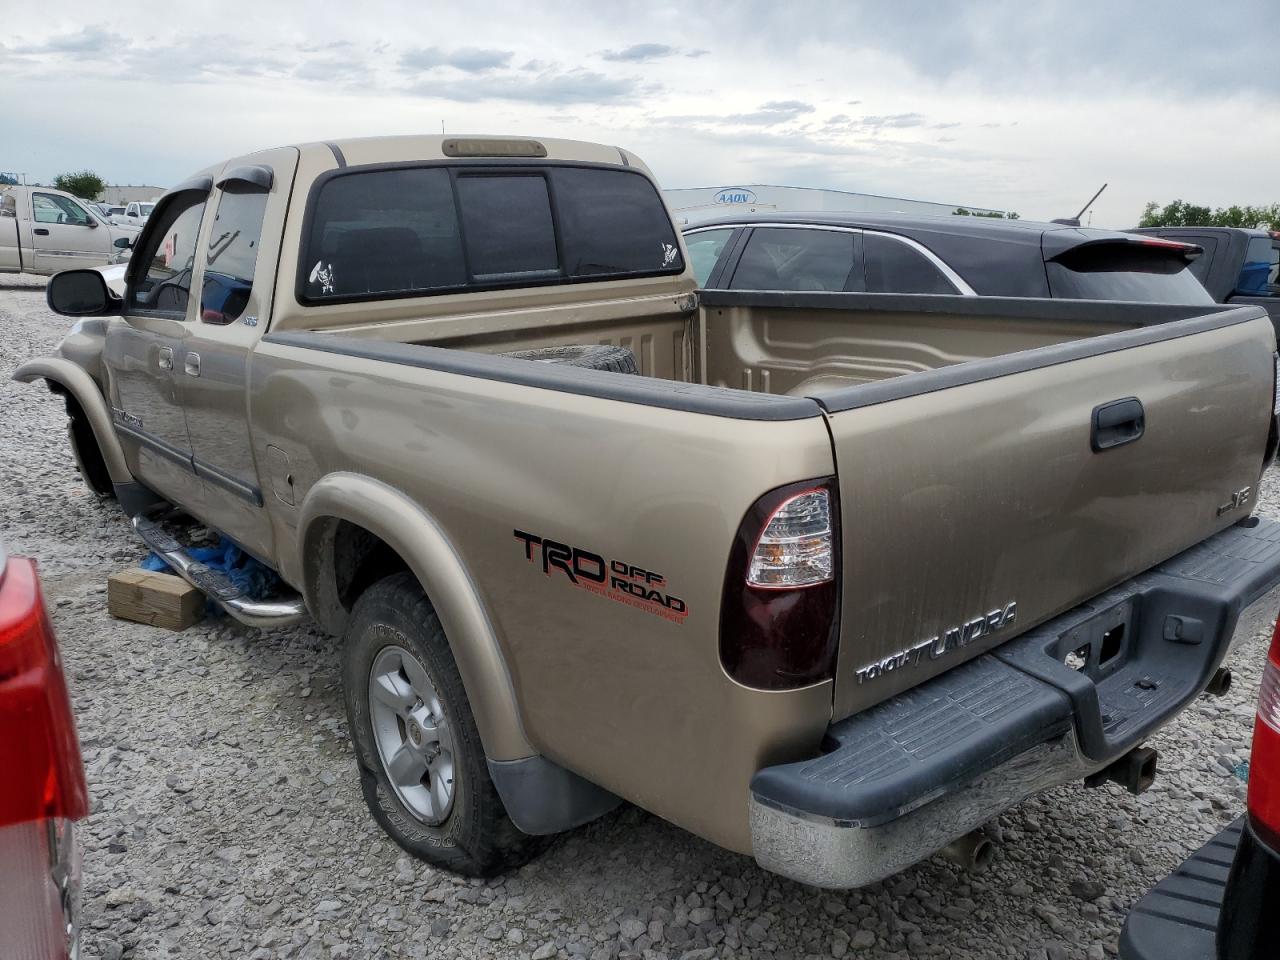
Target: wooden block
pixel 157 599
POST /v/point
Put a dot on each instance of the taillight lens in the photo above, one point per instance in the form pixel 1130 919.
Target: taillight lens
pixel 1264 764
pixel 39 753
pixel 42 789
pixel 795 549
pixel 779 613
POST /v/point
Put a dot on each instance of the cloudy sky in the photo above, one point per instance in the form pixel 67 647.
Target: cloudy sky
pixel 1013 105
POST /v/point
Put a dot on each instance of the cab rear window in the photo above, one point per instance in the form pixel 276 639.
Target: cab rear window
pixel 413 231
pixel 1124 271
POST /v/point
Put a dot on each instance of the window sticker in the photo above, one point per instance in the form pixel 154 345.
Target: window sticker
pixel 322 273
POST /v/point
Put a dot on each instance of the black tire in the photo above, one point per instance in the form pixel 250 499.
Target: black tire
pixel 593 356
pixel 85 451
pixel 476 838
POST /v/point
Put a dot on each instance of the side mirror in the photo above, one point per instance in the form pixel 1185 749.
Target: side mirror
pixel 92 224
pixel 122 243
pixel 81 293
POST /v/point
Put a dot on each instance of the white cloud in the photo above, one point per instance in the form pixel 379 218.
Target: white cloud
pixel 1000 104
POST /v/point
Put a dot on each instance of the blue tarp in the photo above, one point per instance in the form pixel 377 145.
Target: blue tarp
pixel 257 580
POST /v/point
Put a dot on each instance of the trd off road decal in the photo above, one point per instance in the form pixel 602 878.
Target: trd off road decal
pixel 615 579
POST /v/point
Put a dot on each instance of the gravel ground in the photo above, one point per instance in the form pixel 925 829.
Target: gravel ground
pixel 227 821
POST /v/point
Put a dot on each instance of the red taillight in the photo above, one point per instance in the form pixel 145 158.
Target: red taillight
pixel 1264 764
pixel 779 613
pixel 39 754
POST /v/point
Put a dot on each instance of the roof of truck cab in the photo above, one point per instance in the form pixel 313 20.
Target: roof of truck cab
pixel 359 151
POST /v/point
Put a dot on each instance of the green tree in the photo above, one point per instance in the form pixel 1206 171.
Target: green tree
pixel 1179 213
pixel 8 180
pixel 84 184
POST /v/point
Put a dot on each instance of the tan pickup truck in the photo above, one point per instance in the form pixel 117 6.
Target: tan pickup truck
pixel 43 230
pixel 829 579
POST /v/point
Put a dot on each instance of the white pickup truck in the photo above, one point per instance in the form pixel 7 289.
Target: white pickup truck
pixel 43 230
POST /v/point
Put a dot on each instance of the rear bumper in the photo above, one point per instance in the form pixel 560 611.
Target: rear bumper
pixel 900 781
pixel 1226 891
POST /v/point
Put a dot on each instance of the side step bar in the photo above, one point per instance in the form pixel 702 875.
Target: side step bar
pixel 217 585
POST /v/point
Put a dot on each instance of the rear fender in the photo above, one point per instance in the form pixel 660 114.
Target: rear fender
pixel 425 548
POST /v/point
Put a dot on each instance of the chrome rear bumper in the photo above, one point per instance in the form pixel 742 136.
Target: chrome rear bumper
pixel 909 776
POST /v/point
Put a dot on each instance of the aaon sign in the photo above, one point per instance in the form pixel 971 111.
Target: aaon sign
pixel 735 195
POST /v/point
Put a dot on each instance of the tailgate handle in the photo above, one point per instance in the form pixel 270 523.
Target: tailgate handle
pixel 1117 423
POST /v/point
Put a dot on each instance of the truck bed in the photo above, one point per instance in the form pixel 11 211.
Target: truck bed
pixel 963 436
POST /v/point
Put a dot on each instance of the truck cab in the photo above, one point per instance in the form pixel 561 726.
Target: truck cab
pixel 43 230
pixel 137 213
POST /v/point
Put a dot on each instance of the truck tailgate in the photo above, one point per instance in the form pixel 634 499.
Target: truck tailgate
pixel 974 504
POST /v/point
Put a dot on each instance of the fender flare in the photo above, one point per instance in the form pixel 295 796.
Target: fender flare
pixel 80 385
pixel 423 545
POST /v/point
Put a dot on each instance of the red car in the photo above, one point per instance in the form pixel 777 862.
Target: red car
pixel 1223 903
pixel 42 793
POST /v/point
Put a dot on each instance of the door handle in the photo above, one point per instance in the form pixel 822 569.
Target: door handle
pixel 191 363
pixel 1117 423
pixel 164 360
pixel 40 232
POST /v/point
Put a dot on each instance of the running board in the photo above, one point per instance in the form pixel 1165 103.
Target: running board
pixel 215 584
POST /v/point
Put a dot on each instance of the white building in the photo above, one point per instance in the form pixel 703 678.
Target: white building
pixel 120 195
pixel 692 205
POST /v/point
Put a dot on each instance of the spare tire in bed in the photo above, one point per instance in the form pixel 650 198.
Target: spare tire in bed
pixel 593 356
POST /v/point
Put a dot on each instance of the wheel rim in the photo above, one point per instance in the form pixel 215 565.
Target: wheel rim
pixel 412 734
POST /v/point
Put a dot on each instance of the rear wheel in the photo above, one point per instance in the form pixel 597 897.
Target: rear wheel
pixel 422 766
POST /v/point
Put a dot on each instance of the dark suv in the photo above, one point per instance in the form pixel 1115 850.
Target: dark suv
pixel 973 256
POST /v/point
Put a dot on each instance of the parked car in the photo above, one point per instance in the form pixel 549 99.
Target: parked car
pixel 115 213
pixel 796 572
pixel 43 230
pixel 1237 266
pixel 136 213
pixel 1221 903
pixel 971 256
pixel 44 794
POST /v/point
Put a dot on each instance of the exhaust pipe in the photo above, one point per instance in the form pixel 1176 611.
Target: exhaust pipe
pixel 1220 683
pixel 974 851
pixel 1135 771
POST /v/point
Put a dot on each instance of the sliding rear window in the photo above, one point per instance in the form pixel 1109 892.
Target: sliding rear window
pixel 1124 271
pixel 412 231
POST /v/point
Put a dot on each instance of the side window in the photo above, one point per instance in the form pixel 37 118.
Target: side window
pixel 8 206
pixel 892 266
pixel 1260 275
pixel 50 208
pixel 168 259
pixel 779 258
pixel 705 248
pixel 382 233
pixel 232 254
pixel 506 221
